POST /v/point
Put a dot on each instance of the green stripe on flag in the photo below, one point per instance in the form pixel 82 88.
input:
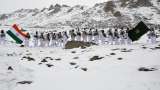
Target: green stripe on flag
pixel 19 41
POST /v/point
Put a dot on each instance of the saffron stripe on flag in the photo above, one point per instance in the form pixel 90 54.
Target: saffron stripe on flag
pixel 19 31
pixel 19 41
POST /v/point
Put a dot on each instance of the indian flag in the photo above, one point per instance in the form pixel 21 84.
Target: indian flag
pixel 17 34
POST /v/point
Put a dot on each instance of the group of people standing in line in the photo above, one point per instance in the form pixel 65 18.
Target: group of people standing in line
pixel 114 36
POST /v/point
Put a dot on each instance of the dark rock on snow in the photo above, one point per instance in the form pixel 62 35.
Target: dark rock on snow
pixel 146 69
pixel 95 58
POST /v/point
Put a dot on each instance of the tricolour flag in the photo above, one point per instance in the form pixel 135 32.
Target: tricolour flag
pixel 17 34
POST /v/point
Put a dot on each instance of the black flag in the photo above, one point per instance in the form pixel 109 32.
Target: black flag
pixel 137 32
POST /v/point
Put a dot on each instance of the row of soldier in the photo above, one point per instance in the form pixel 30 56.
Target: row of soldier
pixel 114 36
pixel 52 39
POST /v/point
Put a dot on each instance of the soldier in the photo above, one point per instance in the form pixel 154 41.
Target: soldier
pixel 102 36
pixel 72 35
pixel 48 39
pixel 78 37
pixel 152 36
pixel 53 39
pixel 84 36
pixel 26 41
pixel 65 37
pixel 36 39
pixel 122 36
pixel 116 37
pixel 2 37
pixel 110 36
pixel 128 40
pixel 96 36
pixel 42 40
pixel 60 39
pixel 90 35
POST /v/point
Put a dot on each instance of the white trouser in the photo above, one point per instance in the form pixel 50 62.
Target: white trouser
pixel 110 40
pixel 85 39
pixel 153 40
pixel 78 38
pixel 96 39
pixel 122 40
pixel 42 43
pixel 2 40
pixel 35 42
pixel 89 38
pixel 26 42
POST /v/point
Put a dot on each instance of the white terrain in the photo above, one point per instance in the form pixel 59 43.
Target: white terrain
pixel 102 67
pixel 99 67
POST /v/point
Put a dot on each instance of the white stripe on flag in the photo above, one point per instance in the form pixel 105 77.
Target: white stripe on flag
pixel 17 34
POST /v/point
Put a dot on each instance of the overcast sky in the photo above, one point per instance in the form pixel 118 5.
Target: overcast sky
pixel 7 6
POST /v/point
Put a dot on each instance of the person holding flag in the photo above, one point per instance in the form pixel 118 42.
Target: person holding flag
pixel 17 34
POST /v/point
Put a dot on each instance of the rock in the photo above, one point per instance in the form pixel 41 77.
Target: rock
pixel 75 57
pixel 28 58
pixel 146 69
pixel 77 44
pixel 95 58
pixel 58 59
pixel 157 47
pixel 48 58
pixel 115 49
pixel 73 52
pixel 21 45
pixel 72 63
pixel 24 82
pixel 44 60
pixel 10 68
pixel 84 69
pixel 112 54
pixel 144 47
pixel 9 54
pixel 125 50
pixel 119 58
pixel 76 66
pixel 49 65
pixel 39 63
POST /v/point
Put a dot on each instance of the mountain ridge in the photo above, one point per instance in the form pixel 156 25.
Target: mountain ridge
pixel 101 15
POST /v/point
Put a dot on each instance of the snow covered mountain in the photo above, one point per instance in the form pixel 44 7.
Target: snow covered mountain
pixel 111 13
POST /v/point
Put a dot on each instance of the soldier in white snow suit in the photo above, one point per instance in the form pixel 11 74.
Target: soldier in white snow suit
pixel 84 36
pixel 60 39
pixel 65 37
pixel 90 36
pixel 122 37
pixel 152 36
pixel 72 35
pixel 96 36
pixel 48 39
pixel 78 35
pixel 110 36
pixel 102 36
pixel 128 40
pixel 36 39
pixel 53 40
pixel 27 40
pixel 42 40
pixel 116 37
pixel 2 37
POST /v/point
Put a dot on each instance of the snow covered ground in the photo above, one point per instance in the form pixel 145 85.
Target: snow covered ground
pixel 112 67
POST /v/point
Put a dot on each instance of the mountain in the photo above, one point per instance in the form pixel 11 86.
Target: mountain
pixel 110 13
